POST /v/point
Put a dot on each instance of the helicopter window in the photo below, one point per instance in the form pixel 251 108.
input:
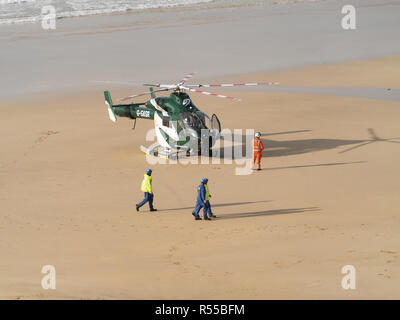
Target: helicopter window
pixel 192 120
pixel 179 126
pixel 166 121
pixel 186 102
pixel 204 119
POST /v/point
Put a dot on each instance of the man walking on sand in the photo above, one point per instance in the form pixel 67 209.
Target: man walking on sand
pixel 208 204
pixel 258 147
pixel 203 201
pixel 147 188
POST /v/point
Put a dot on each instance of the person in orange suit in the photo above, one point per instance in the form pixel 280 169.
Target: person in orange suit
pixel 258 147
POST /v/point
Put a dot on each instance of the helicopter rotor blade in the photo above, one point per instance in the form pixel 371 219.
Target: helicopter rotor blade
pixel 210 93
pixel 151 85
pixel 233 84
pixel 186 78
pixel 115 82
pixel 357 146
pixel 141 94
pixel 169 86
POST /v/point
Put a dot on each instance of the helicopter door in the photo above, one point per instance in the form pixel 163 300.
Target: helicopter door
pixel 166 121
pixel 215 123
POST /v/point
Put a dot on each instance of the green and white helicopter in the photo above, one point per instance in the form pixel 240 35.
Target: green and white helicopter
pixel 179 124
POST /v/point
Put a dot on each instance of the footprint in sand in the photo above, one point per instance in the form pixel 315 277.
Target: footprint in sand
pixel 45 135
pixel 388 251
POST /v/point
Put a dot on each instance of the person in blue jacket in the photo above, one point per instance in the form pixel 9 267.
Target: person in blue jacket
pixel 202 201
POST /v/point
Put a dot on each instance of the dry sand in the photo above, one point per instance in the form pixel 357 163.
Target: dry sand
pixel 70 179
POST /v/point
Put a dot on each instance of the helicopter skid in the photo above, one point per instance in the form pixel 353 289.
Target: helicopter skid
pixel 161 152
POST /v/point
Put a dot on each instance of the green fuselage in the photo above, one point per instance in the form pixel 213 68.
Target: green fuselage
pixel 175 105
pixel 177 119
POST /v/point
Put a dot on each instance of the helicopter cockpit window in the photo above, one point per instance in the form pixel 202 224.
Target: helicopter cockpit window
pixel 205 119
pixel 166 121
pixel 186 102
pixel 192 120
pixel 179 126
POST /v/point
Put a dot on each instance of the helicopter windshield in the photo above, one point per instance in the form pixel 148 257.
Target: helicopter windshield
pixel 193 121
pixel 204 119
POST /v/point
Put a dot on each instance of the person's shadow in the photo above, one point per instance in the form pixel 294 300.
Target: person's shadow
pixel 217 205
pixel 266 213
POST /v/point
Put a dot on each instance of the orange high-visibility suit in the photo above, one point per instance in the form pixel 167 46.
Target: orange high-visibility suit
pixel 258 147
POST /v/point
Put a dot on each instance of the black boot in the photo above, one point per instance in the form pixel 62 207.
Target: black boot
pixel 153 209
pixel 137 208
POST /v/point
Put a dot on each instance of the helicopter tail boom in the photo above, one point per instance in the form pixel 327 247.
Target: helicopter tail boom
pixel 131 110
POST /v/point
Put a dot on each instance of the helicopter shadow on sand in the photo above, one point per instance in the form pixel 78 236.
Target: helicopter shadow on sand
pixel 281 148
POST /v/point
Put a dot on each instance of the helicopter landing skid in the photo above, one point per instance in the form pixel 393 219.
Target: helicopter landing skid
pixel 161 152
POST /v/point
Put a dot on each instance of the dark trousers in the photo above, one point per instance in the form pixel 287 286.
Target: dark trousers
pixel 208 208
pixel 148 197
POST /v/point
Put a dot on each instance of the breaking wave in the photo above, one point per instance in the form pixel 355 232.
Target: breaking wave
pixel 28 11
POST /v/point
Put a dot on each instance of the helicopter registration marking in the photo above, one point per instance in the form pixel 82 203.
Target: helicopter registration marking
pixel 143 113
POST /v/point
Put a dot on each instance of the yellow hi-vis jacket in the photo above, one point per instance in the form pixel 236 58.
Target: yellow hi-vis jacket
pixel 147 184
pixel 207 192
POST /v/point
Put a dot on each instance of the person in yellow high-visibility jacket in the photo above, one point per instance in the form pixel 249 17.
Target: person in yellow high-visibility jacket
pixel 147 188
pixel 208 204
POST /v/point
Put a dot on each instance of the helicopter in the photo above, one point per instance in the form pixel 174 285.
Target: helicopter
pixel 179 124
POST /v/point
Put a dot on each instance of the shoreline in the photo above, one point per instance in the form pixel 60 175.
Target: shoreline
pixel 214 43
pixel 285 77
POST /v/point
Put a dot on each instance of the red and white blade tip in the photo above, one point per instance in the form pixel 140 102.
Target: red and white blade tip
pixel 187 77
pixel 215 95
pixel 235 84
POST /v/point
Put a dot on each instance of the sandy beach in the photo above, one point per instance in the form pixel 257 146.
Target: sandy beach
pixel 327 195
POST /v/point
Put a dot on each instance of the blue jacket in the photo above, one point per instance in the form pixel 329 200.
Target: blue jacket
pixel 201 193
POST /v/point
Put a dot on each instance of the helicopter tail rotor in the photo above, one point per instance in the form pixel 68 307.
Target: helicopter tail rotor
pixel 109 105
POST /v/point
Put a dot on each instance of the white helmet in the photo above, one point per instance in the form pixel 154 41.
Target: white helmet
pixel 257 135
